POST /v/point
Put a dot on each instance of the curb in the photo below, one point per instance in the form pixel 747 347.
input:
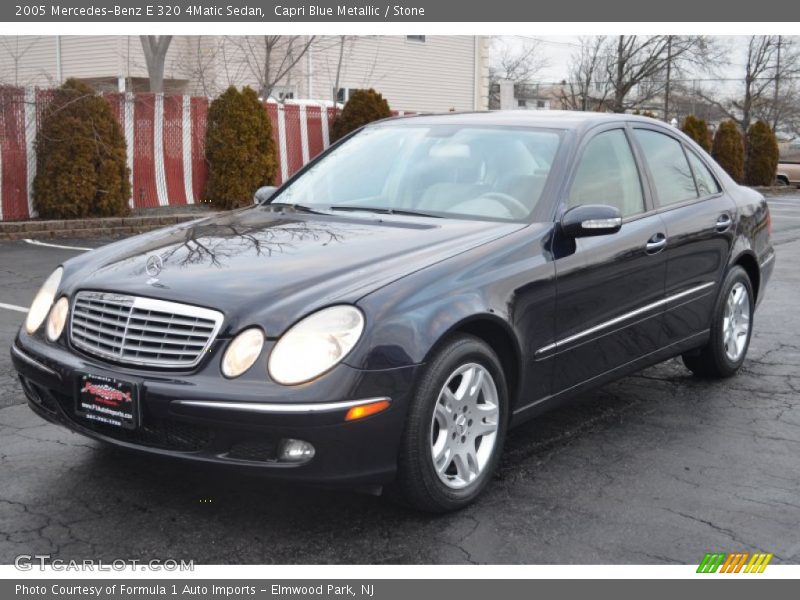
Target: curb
pixel 777 190
pixel 92 228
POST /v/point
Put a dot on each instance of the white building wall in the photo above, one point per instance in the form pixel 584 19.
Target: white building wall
pixel 440 74
pixel 83 57
pixel 437 75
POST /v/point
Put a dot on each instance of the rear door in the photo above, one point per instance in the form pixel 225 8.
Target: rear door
pixel 610 288
pixel 700 221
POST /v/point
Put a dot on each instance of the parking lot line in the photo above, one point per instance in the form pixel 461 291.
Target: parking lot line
pixel 38 243
pixel 13 307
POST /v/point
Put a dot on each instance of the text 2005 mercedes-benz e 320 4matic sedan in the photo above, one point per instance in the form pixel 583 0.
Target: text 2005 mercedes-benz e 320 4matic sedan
pixel 387 314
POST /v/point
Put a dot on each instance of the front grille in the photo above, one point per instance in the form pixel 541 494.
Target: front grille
pixel 156 433
pixel 142 331
pixel 255 449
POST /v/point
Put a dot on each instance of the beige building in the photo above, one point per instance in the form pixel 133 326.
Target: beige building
pixel 415 73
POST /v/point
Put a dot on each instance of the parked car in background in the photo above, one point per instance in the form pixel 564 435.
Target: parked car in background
pixel 788 173
pixel 385 316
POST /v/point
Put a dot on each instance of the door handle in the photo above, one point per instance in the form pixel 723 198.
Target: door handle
pixel 656 243
pixel 723 223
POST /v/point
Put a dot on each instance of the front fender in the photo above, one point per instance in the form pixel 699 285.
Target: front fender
pixel 508 283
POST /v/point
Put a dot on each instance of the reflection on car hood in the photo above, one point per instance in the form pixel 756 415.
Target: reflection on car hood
pixel 273 266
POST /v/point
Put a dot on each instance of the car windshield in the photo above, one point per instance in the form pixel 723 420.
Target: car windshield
pixel 434 170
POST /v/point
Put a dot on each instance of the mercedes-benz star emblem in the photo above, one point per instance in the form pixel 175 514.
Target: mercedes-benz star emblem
pixel 154 265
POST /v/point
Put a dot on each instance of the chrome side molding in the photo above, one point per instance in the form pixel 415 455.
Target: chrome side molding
pixel 622 318
pixel 279 408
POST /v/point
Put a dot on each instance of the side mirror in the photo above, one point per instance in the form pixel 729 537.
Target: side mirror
pixel 264 193
pixel 590 220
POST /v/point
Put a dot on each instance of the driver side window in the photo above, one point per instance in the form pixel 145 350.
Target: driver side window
pixel 607 174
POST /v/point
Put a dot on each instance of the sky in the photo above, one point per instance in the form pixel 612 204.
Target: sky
pixel 557 51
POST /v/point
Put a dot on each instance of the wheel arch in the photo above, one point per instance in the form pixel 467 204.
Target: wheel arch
pixel 501 339
pixel 748 262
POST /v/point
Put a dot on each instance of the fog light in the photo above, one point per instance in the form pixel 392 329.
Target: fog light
pixel 295 451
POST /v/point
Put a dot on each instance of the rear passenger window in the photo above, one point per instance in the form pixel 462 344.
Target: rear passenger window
pixel 607 174
pixel 670 170
pixel 706 184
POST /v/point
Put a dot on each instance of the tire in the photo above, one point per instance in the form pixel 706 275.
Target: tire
pixel 781 181
pixel 721 356
pixel 460 478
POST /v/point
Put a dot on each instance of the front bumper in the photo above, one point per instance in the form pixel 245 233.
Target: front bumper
pixel 206 418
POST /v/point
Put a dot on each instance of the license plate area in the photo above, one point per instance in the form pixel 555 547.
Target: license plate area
pixel 108 401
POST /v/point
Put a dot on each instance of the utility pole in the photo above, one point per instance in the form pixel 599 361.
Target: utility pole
pixel 59 71
pixel 775 110
pixel 669 73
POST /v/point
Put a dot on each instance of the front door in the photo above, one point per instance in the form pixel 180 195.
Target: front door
pixel 610 289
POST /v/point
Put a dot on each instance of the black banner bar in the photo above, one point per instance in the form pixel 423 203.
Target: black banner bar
pixel 408 11
pixel 733 587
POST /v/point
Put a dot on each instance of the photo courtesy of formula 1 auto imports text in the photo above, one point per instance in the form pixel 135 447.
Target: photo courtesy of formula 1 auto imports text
pixel 326 300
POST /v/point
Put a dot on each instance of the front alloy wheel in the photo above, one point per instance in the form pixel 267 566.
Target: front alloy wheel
pixel 464 426
pixel 455 427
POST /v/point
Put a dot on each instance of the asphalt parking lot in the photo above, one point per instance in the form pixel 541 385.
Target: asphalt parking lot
pixel 657 468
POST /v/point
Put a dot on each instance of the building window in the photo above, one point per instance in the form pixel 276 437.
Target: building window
pixel 281 93
pixel 522 103
pixel 416 38
pixel 343 94
pixel 540 104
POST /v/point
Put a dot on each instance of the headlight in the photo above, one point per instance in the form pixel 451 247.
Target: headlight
pixel 242 352
pixel 315 344
pixel 57 319
pixel 43 301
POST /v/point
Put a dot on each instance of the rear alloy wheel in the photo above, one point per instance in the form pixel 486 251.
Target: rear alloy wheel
pixel 730 330
pixel 455 428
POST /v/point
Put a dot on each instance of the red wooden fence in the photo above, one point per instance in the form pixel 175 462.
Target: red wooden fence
pixel 165 137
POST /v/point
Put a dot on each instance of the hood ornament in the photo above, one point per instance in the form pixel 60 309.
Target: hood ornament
pixel 153 267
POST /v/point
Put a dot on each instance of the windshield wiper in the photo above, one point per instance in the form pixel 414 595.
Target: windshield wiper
pixel 297 207
pixel 386 211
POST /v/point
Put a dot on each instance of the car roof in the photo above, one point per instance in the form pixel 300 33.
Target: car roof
pixel 554 119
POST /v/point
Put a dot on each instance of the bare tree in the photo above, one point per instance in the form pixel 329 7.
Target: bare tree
pixel 784 110
pixel 759 76
pixel 334 52
pixel 518 63
pixel 685 54
pixel 155 49
pixel 768 91
pixel 637 66
pixel 13 49
pixel 270 59
pixel 198 60
pixel 587 87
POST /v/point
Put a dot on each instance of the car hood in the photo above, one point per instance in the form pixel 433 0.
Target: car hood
pixel 272 266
